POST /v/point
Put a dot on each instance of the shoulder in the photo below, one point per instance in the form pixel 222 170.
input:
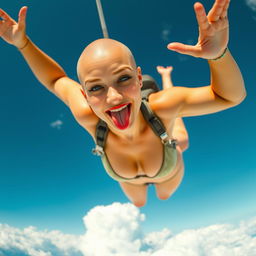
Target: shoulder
pixel 71 93
pixel 166 103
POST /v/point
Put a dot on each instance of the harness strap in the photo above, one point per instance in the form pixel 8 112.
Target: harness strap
pixel 101 137
pixel 154 122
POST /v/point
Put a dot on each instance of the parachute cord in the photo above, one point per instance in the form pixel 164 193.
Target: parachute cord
pixel 102 20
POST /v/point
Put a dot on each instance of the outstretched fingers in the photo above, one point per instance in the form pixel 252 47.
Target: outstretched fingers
pixel 218 10
pixel 201 17
pixel 22 17
pixel 5 22
pixel 5 17
pixel 185 49
pixel 225 10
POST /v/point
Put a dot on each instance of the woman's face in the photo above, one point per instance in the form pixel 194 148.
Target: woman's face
pixel 113 90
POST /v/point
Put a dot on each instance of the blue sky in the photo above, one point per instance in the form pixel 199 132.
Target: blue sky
pixel 50 179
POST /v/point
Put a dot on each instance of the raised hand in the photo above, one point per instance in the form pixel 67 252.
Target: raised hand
pixel 213 32
pixel 12 32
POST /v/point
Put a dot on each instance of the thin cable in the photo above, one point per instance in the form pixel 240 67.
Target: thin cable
pixel 102 20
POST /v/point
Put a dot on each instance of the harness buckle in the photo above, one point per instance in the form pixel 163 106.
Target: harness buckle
pixel 98 150
pixel 170 142
pixel 173 143
pixel 164 137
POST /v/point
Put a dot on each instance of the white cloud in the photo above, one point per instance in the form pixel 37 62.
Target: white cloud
pixel 115 230
pixel 30 241
pixel 116 226
pixel 251 4
pixel 56 124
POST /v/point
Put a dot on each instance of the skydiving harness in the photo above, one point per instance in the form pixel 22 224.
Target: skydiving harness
pixel 154 122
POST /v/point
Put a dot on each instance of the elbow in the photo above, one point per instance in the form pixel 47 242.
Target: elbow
pixel 51 84
pixel 240 100
pixel 243 98
pixel 236 100
pixel 53 81
pixel 242 94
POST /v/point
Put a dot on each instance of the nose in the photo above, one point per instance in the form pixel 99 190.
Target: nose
pixel 113 96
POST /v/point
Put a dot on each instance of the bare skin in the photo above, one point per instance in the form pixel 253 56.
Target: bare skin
pixel 179 130
pixel 109 77
pixel 167 187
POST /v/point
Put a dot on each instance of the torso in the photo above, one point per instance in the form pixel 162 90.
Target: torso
pixel 143 156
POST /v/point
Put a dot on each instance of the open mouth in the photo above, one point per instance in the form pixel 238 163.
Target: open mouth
pixel 120 115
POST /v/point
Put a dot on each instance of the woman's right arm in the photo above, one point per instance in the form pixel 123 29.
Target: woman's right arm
pixel 46 70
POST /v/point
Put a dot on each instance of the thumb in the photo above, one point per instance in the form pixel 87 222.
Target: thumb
pixel 22 17
pixel 184 49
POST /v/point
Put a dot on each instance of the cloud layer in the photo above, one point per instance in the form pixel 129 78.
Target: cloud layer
pixel 116 230
pixel 30 241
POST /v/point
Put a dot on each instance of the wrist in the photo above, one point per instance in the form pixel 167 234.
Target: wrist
pixel 221 56
pixel 23 44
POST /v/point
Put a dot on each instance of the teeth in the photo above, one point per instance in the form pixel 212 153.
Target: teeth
pixel 119 109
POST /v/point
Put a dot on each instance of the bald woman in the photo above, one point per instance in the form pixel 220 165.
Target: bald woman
pixel 107 102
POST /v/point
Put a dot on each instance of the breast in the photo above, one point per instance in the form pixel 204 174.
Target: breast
pixel 141 157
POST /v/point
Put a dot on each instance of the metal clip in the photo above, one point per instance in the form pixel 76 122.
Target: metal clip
pixel 173 143
pixel 164 137
pixel 98 150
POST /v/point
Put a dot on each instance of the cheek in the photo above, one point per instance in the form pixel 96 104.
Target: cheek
pixel 95 103
pixel 135 94
pixel 134 91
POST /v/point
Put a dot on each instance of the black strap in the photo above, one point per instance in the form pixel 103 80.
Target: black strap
pixel 149 86
pixel 154 122
pixel 101 137
pixel 102 130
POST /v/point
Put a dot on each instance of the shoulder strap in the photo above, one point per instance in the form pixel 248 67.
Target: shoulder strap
pixel 101 137
pixel 150 86
pixel 154 122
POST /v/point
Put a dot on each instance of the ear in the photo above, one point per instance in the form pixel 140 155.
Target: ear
pixel 139 75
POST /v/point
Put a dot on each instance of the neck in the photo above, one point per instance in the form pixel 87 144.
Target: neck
pixel 134 132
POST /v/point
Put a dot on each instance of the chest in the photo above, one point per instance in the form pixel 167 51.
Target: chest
pixel 143 156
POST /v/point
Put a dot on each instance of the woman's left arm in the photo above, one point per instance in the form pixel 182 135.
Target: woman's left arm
pixel 226 78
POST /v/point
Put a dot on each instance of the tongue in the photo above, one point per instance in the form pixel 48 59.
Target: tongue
pixel 121 118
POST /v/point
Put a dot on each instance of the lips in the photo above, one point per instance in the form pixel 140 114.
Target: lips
pixel 120 115
pixel 117 107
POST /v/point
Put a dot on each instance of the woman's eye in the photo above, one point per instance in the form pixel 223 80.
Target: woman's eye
pixel 95 88
pixel 124 78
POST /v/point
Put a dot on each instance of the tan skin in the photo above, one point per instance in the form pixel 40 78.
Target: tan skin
pixel 136 149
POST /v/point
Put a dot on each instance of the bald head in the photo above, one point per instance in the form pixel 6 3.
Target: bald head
pixel 102 51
